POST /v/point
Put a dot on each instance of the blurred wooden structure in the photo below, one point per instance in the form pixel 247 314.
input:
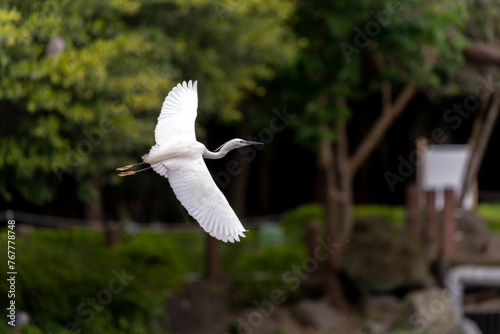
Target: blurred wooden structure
pixel 431 202
pixel 412 207
pixel 430 230
pixel 438 231
pixel 449 226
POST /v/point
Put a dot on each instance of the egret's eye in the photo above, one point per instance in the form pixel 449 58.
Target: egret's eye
pixel 242 142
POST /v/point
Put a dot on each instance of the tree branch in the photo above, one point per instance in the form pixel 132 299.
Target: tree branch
pixel 376 133
pixel 479 149
pixel 482 52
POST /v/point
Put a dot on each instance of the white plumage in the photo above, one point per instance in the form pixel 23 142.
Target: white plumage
pixel 179 157
pixel 178 114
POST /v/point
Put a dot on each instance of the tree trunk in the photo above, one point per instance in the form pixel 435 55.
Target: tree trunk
pixel 94 209
pixel 340 170
pixel 345 176
pixel 328 165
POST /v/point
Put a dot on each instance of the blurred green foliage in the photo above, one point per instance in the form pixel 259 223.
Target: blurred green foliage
pixel 296 220
pixel 491 213
pixel 256 268
pixel 396 214
pixel 60 269
pixel 348 48
pixel 92 105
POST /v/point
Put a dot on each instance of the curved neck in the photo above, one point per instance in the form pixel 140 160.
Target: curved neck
pixel 215 155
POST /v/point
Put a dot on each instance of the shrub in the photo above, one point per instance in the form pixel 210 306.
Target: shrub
pixel 60 271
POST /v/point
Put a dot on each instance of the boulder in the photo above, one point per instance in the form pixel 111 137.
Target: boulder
pixel 379 313
pixel 493 245
pixel 319 315
pixel 198 309
pixel 381 258
pixel 471 223
pixel 426 311
pixel 475 239
pixel 287 322
pixel 257 321
pixel 260 321
pixel 306 316
pixel 472 244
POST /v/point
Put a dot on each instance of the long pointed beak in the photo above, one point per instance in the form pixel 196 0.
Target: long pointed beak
pixel 253 142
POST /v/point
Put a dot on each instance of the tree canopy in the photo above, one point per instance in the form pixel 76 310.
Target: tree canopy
pixel 82 83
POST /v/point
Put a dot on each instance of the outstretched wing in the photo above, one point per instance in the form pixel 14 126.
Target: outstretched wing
pixel 196 190
pixel 178 114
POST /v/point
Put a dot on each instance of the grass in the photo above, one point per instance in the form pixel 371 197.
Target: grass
pixel 396 214
pixel 491 213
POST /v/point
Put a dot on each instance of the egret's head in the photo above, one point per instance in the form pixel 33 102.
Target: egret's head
pixel 236 143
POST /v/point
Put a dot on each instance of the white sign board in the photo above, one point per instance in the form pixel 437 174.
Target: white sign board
pixel 445 167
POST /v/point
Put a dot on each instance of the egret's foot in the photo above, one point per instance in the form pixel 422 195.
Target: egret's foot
pixel 124 167
pixel 130 172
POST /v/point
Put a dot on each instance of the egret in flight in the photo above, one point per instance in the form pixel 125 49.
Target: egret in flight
pixel 179 157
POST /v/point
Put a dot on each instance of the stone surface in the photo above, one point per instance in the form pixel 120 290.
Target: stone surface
pixel 379 313
pixel 287 323
pixel 305 317
pixel 255 321
pixel 471 222
pixel 493 245
pixel 198 309
pixel 319 315
pixel 426 311
pixel 381 258
pixel 259 321
pixel 472 244
pixel 475 239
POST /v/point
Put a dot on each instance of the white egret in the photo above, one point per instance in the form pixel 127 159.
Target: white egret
pixel 179 157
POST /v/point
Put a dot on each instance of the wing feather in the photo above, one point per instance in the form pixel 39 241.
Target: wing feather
pixel 196 190
pixel 178 114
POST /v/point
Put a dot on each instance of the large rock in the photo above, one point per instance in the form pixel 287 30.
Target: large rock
pixel 471 223
pixel 476 241
pixel 198 309
pixel 257 321
pixel 426 311
pixel 379 313
pixel 381 258
pixel 319 315
pixel 493 246
pixel 266 321
pixel 306 316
